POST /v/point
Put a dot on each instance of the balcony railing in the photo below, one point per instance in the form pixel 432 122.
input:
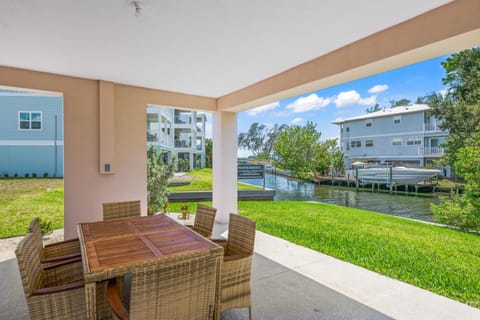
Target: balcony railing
pixel 182 144
pixel 183 119
pixel 431 151
pixel 432 127
pixel 152 137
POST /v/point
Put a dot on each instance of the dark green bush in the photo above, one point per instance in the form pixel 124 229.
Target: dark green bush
pixel 46 227
pixel 183 165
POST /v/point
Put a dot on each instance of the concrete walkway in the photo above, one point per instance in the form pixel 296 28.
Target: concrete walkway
pixel 390 297
pixel 293 282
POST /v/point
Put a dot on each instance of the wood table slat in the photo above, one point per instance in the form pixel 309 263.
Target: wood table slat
pixel 129 241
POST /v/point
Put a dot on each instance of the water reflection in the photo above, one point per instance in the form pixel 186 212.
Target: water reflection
pixel 411 206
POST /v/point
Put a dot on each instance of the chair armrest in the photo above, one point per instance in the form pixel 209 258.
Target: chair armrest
pixel 59 249
pixel 115 301
pixel 56 264
pixel 62 258
pixel 60 288
pixel 235 257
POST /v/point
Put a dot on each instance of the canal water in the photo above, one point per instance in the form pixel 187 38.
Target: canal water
pixel 408 206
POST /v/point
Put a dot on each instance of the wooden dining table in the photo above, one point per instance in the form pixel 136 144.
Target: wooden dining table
pixel 114 248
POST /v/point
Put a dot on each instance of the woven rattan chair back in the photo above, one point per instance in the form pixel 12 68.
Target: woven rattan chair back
pixel 241 235
pixel 204 220
pixel 53 294
pixel 35 229
pixel 237 266
pixel 123 209
pixel 28 259
pixel 181 288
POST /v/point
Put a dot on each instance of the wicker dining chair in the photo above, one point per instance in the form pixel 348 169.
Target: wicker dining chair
pixel 58 251
pixel 47 297
pixel 237 264
pixel 178 288
pixel 123 209
pixel 204 220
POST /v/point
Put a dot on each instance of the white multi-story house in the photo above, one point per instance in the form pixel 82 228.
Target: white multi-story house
pixel 406 135
pixel 179 132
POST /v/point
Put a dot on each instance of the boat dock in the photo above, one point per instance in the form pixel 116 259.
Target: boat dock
pixel 421 187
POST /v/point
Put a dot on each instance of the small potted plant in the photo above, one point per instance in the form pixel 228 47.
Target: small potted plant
pixel 165 207
pixel 185 215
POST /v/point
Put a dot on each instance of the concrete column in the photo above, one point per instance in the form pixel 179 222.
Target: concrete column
pixel 224 164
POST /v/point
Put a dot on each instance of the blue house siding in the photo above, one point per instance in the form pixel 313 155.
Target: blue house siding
pixel 31 159
pixel 400 136
pixel 23 149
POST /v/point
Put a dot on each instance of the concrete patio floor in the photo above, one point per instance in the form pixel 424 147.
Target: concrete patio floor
pixel 293 282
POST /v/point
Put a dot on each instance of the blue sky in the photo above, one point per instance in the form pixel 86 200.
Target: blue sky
pixel 349 99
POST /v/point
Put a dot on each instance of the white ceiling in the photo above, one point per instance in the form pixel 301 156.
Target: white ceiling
pixel 203 47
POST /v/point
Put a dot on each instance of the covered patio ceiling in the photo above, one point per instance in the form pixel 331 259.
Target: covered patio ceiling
pixel 216 48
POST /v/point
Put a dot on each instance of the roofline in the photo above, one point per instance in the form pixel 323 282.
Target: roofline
pixel 382 113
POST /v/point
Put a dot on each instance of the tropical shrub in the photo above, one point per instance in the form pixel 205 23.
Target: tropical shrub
pixel 159 170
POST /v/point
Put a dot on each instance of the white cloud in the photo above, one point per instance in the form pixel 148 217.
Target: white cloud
pixel 308 103
pixel 296 120
pixel 378 88
pixel 270 106
pixel 352 97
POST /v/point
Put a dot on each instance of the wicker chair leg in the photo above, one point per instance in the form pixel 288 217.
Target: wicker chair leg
pixel 250 313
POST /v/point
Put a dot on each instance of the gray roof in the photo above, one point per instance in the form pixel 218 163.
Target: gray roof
pixel 387 112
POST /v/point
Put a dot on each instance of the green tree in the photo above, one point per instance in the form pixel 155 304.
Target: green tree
pixel 459 108
pixel 399 103
pixel 300 150
pixel 271 137
pixel 375 108
pixel 159 170
pixel 254 139
pixel 208 153
pixel 463 210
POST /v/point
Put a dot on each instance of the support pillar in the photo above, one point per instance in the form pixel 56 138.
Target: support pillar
pixel 224 165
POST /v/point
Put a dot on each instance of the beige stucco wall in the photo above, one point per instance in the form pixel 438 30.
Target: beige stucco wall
pixel 85 187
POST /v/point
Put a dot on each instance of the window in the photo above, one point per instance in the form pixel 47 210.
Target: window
pixel 397 119
pixel 368 143
pixel 355 143
pixel 29 120
pixel 396 141
pixel 414 141
pixel 368 123
pixel 348 129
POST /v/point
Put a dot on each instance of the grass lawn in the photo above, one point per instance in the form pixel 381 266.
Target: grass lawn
pixel 202 181
pixel 438 259
pixel 23 199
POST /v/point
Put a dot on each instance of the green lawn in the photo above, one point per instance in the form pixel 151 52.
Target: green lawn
pixel 202 181
pixel 23 199
pixel 438 259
